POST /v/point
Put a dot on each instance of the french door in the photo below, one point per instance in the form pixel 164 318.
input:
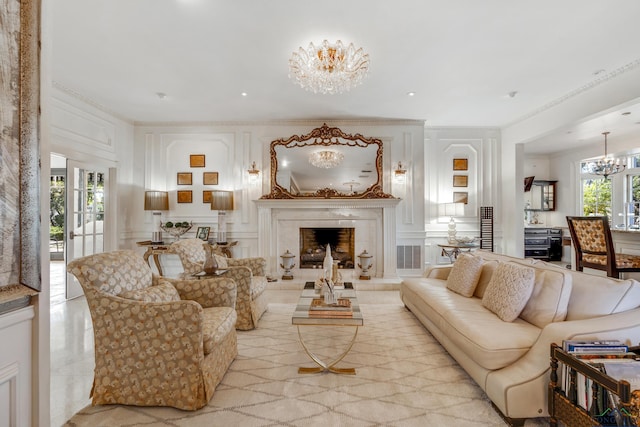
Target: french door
pixel 87 190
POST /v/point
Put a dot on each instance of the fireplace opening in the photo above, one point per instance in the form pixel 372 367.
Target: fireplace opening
pixel 313 245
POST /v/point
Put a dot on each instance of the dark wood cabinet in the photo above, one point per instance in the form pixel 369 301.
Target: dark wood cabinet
pixel 543 243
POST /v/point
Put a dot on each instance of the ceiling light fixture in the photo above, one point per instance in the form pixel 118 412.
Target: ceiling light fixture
pixel 605 166
pixel 329 68
pixel 326 159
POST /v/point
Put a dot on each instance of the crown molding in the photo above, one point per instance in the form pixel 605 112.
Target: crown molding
pixel 76 95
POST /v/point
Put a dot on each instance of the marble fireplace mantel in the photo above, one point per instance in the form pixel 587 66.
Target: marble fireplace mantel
pixel 374 219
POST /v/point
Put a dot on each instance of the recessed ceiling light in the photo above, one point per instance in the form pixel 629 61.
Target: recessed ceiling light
pixel 512 94
pixel 411 93
pixel 161 95
pixel 244 94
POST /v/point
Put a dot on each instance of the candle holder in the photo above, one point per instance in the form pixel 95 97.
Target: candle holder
pixel 365 264
pixel 287 264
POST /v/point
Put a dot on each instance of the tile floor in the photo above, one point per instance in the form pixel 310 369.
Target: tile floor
pixel 72 353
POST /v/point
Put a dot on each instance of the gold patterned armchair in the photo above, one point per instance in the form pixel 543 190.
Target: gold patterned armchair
pixel 593 244
pixel 248 273
pixel 158 341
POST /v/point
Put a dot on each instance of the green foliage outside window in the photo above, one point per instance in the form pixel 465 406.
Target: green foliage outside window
pixel 596 197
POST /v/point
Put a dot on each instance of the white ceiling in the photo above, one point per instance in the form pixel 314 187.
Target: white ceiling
pixel 460 57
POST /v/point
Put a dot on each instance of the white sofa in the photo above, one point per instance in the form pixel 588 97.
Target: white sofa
pixel 510 360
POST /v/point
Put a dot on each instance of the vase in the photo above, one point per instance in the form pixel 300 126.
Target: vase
pixel 210 264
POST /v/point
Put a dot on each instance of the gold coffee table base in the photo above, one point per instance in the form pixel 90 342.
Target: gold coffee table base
pixel 327 367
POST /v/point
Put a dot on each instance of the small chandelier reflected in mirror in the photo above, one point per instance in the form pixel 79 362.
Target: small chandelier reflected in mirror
pixel 326 159
pixel 329 68
pixel 605 166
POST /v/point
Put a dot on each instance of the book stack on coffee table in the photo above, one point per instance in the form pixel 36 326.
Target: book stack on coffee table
pixel 342 308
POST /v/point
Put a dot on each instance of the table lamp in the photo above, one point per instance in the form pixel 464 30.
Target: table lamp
pixel 156 201
pixel 222 201
pixel 452 210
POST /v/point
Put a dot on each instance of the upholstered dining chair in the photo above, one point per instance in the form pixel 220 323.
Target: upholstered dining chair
pixel 593 245
pixel 248 273
pixel 158 341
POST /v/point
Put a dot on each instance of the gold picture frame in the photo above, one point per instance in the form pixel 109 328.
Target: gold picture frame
pixel 210 178
pixel 185 196
pixel 206 196
pixel 460 181
pixel 203 233
pixel 185 178
pixel 197 160
pixel 460 164
pixel 460 197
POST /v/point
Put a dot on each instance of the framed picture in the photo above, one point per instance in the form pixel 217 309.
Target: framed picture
pixel 185 178
pixel 460 180
pixel 460 197
pixel 185 196
pixel 460 164
pixel 528 182
pixel 210 178
pixel 206 196
pixel 203 233
pixel 196 160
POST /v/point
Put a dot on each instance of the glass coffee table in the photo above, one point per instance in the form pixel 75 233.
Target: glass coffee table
pixel 303 317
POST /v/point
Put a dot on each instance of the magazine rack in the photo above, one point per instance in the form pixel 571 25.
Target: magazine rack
pixel 564 407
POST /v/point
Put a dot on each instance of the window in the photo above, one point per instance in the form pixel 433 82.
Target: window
pixel 632 207
pixel 596 196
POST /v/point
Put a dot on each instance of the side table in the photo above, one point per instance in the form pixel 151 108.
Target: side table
pixel 155 249
pixel 452 250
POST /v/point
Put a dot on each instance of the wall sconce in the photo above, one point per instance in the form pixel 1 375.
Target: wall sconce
pixel 222 201
pixel 156 201
pixel 400 173
pixel 254 174
pixel 451 210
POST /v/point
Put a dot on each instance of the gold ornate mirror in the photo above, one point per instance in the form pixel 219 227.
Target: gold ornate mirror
pixel 326 163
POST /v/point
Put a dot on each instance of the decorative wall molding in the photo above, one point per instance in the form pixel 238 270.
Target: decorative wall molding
pixel 306 123
pixel 80 97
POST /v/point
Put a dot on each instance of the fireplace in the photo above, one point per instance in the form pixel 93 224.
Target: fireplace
pixel 314 241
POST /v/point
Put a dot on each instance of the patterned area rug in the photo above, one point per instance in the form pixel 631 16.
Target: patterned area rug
pixel 404 378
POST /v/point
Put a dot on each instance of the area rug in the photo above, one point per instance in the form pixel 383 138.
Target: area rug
pixel 403 378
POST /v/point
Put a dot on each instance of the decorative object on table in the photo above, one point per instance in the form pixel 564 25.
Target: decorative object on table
pixel 605 166
pixel 210 178
pixel 203 233
pixel 451 210
pixel 196 160
pixel 465 240
pixel 185 178
pixel 210 264
pixel 328 291
pixel 288 262
pixel 185 196
pixel 176 229
pixel 328 68
pixel 336 277
pixel 222 201
pixel 366 262
pixel 156 201
pixel 327 263
pixel 460 164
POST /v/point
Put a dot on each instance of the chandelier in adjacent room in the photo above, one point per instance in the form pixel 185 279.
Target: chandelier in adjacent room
pixel 326 159
pixel 328 68
pixel 605 166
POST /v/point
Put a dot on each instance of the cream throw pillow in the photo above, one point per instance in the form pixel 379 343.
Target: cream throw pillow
pixel 465 274
pixel 509 290
pixel 221 261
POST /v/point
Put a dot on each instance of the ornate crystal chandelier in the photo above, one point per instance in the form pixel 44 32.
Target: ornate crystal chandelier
pixel 326 159
pixel 328 68
pixel 605 166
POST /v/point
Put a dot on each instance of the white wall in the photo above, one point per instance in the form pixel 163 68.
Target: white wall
pixel 162 150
